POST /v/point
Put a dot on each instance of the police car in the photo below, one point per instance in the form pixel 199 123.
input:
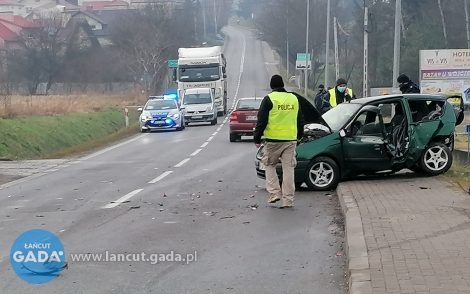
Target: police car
pixel 161 113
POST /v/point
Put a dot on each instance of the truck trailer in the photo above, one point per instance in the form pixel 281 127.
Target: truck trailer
pixel 203 67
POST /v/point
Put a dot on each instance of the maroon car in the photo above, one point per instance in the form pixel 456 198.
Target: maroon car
pixel 243 118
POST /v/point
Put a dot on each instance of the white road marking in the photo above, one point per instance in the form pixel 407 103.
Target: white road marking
pixel 210 138
pixel 112 147
pixel 123 199
pixel 182 162
pixel 160 177
pixel 214 133
pixel 170 222
pixel 196 152
pixel 204 145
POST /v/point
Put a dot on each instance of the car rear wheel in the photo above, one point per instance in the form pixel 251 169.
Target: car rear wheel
pixel 234 137
pixel 436 159
pixel 322 174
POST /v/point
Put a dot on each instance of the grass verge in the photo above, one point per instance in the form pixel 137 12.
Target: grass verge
pixel 101 142
pixel 459 174
pixel 51 136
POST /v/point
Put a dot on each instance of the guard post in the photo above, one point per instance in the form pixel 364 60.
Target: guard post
pixel 468 144
pixel 127 116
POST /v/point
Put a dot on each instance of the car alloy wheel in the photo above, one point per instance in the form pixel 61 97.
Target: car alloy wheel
pixel 322 174
pixel 436 159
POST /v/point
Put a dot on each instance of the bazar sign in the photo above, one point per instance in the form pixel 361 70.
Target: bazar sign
pixel 444 74
pixel 445 59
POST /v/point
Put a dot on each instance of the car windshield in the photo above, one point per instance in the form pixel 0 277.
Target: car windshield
pixel 203 98
pixel 338 116
pixel 199 74
pixel 249 104
pixel 160 105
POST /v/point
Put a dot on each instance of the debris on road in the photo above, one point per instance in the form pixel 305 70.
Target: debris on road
pixel 161 204
pixel 164 195
pixel 245 223
pixel 134 207
pixel 161 209
pixel 224 217
pixel 39 215
pixel 252 196
pixel 209 213
pixel 220 181
pixel 423 188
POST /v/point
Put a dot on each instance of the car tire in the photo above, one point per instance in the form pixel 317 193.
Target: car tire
pixel 143 131
pixel 234 137
pixel 220 113
pixel 322 165
pixel 179 129
pixel 214 121
pixel 436 159
pixel 297 185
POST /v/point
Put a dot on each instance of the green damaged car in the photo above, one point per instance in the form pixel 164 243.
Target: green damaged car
pixel 373 135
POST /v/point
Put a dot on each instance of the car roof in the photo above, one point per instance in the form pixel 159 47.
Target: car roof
pixel 368 100
pixel 197 90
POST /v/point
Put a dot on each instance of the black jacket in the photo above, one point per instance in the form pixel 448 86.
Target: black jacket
pixel 410 88
pixel 263 116
pixel 340 97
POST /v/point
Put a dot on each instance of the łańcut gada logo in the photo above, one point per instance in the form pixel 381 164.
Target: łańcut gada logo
pixel 37 256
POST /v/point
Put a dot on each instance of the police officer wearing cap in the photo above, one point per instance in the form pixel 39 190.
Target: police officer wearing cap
pixel 406 85
pixel 281 122
pixel 340 93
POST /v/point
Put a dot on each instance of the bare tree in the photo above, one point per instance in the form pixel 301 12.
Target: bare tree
pixel 147 38
pixel 443 20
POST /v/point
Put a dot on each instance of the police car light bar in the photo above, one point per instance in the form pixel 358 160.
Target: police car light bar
pixel 170 96
pixel 156 97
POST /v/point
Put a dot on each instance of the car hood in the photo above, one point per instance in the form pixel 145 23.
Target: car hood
pixel 197 107
pixel 310 113
pixel 158 113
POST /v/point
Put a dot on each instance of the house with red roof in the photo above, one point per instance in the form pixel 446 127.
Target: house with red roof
pixel 10 28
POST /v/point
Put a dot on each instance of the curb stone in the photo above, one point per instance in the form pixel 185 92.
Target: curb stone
pixel 356 250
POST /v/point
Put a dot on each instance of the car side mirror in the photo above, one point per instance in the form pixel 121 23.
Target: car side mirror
pixel 342 133
pixel 139 109
pixel 182 107
pixel 225 76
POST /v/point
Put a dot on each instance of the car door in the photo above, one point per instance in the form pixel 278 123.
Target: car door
pixel 364 144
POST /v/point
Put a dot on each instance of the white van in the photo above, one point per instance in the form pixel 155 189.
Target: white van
pixel 198 105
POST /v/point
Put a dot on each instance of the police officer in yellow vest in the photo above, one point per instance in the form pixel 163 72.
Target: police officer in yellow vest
pixel 340 93
pixel 282 124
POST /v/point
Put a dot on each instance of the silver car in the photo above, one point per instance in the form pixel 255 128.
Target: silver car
pixel 198 105
pixel 161 114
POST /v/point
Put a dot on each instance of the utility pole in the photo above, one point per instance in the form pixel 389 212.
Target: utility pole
pixel 287 43
pixel 215 20
pixel 327 51
pixel 306 49
pixel 204 19
pixel 335 20
pixel 396 47
pixel 468 24
pixel 365 77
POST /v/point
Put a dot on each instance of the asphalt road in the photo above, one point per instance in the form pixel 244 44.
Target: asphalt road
pixel 185 191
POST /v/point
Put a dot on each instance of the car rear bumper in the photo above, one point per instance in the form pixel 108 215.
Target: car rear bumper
pixel 299 170
pixel 242 128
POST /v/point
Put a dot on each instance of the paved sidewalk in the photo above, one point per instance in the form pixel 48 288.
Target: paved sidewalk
pixel 414 236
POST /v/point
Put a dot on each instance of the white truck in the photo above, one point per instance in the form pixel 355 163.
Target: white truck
pixel 203 67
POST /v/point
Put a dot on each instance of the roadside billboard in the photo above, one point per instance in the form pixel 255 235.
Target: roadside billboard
pixel 445 71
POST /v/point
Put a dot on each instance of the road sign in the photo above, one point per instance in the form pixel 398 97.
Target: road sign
pixel 172 63
pixel 301 64
pixel 302 60
pixel 468 128
pixel 303 57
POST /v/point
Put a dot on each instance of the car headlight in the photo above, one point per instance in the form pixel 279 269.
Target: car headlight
pixel 209 109
pixel 175 116
pixel 145 117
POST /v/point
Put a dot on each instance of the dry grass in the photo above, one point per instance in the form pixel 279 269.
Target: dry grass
pixel 26 106
pixel 461 142
pixel 459 174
